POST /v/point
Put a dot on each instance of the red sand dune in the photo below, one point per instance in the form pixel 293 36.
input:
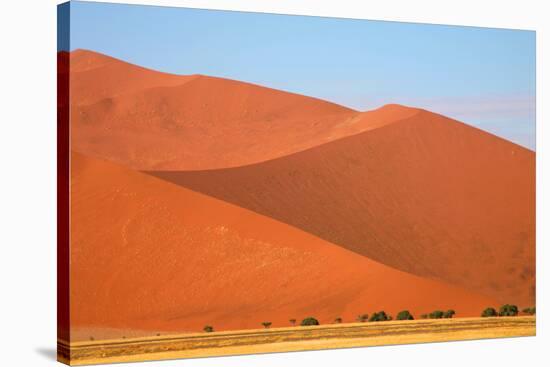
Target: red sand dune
pixel 404 187
pixel 426 195
pixel 150 255
pixel 148 120
pixel 96 77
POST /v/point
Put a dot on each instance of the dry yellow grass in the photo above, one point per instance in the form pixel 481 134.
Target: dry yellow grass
pixel 292 339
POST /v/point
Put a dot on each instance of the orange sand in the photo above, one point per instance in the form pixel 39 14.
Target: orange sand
pixel 317 190
pixel 427 195
pixel 150 255
pixel 149 120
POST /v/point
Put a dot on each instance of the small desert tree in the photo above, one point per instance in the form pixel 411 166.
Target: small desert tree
pixel 508 310
pixel 489 312
pixel 404 315
pixel 309 321
pixel 530 310
pixel 380 316
pixel 449 314
pixel 266 324
pixel 338 320
pixel 437 314
pixel 292 322
pixel 362 318
pixel 208 329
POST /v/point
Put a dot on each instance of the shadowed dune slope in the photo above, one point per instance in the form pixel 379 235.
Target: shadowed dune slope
pixel 151 255
pixel 149 120
pixel 427 195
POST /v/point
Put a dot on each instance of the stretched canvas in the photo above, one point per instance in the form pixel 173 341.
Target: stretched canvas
pixel 233 183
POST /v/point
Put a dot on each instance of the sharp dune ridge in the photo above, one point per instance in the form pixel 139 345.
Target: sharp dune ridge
pixel 83 60
pixel 426 195
pixel 148 120
pixel 170 259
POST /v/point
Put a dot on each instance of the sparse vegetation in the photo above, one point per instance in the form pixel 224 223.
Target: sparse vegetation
pixel 266 324
pixel 508 310
pixel 424 316
pixel 449 314
pixel 309 321
pixel 338 320
pixel 92 338
pixel 208 329
pixel 185 345
pixel 489 312
pixel 362 318
pixel 404 315
pixel 437 314
pixel 292 322
pixel 380 316
pixel 530 310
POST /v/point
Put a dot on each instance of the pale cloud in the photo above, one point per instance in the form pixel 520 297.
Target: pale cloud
pixel 491 107
pixel 511 117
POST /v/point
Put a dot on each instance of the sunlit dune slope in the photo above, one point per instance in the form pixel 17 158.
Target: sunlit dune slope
pixel 147 120
pixel 150 255
pixel 98 78
pixel 427 195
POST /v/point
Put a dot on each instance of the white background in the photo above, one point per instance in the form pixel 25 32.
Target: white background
pixel 28 177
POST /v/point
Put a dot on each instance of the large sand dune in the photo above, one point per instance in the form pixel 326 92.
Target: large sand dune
pixel 148 120
pixel 427 195
pixel 150 255
pixel 282 206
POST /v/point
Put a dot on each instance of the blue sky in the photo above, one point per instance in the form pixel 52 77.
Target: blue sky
pixel 482 76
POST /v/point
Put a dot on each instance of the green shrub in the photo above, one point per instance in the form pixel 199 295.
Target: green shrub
pixel 404 315
pixel 489 312
pixel 380 316
pixel 530 310
pixel 309 321
pixel 449 314
pixel 338 320
pixel 508 310
pixel 437 314
pixel 208 329
pixel 266 324
pixel 362 318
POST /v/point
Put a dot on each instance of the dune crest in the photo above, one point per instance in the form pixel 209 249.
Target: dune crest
pixel 170 259
pixel 95 77
pixel 147 120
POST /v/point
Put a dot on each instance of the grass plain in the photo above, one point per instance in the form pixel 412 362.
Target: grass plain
pixel 292 339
